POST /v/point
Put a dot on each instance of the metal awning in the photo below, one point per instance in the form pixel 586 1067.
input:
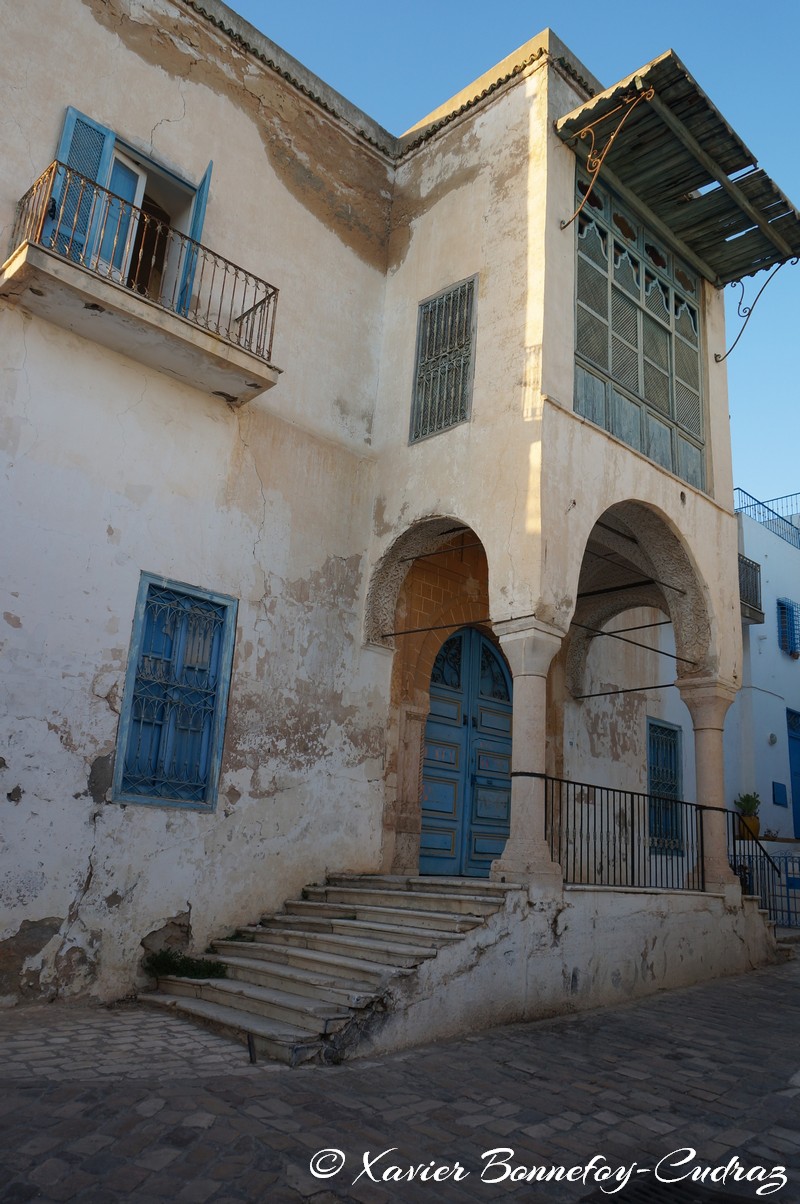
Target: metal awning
pixel 678 162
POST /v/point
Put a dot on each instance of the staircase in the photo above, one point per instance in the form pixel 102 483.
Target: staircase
pixel 311 982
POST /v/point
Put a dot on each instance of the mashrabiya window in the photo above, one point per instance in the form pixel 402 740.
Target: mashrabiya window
pixel 172 723
pixel 638 371
pixel 445 361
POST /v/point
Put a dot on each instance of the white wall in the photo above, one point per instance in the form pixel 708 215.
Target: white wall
pixel 771 685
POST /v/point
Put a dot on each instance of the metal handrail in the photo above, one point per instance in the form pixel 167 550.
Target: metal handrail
pixel 761 513
pixel 71 215
pixel 604 836
pixel 754 867
pixel 786 506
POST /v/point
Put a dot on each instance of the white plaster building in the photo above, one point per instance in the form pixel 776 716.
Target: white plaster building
pixel 762 736
pixel 284 560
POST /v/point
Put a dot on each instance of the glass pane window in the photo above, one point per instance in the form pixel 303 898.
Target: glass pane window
pixel 638 339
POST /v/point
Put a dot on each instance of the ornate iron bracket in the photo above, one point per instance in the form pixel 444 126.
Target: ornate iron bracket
pixel 744 311
pixel 594 159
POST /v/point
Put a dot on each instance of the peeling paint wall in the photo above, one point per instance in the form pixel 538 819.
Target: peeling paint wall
pixel 589 948
pixel 111 468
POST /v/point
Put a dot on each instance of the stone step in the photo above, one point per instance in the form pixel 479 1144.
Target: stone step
pixel 312 983
pixel 483 887
pixel 358 947
pixel 396 933
pixel 441 921
pixel 313 1016
pixel 282 1042
pixel 336 963
pixel 477 906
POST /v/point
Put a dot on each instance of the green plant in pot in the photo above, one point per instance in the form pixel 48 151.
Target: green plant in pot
pixel 747 806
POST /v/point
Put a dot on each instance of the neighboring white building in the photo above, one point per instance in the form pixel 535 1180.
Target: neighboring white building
pixel 285 561
pixel 762 734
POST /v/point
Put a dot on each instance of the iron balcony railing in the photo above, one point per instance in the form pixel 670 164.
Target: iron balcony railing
pixel 750 582
pixel 758 873
pixel 69 214
pixel 606 837
pixel 762 513
pixel 787 506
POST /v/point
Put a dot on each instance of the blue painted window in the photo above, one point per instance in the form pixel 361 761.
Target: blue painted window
pixel 107 228
pixel 172 726
pixel 444 361
pixel 789 627
pixel 638 365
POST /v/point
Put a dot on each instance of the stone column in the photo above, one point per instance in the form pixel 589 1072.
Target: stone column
pixel 526 857
pixel 708 701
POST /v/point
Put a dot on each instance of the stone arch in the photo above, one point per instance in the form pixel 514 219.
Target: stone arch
pixel 424 537
pixel 431 581
pixel 633 538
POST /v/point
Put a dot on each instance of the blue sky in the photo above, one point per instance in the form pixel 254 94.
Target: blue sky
pixel 399 62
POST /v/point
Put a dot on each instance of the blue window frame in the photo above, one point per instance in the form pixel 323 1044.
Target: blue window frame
pixel 789 627
pixel 169 747
pixel 92 230
pixel 664 762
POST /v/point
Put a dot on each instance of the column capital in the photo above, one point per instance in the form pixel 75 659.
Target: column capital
pixel 528 645
pixel 707 700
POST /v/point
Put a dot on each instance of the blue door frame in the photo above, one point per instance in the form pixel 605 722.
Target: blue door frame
pixel 793 725
pixel 466 782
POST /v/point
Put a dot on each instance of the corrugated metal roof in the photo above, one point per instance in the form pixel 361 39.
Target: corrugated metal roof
pixel 691 175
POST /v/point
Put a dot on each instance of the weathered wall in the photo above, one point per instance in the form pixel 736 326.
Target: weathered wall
pixel 604 739
pixel 110 468
pixel 771 683
pixel 589 948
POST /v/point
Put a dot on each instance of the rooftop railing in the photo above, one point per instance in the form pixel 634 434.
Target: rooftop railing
pixel 763 513
pixel 69 214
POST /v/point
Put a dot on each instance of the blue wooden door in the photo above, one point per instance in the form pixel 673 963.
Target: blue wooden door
pixel 466 782
pixel 793 724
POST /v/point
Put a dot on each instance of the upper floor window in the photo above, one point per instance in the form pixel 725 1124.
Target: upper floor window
pixel 638 339
pixel 172 724
pixel 445 361
pixel 122 231
pixel 789 627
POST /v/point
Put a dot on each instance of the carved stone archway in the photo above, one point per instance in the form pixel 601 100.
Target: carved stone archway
pixel 431 581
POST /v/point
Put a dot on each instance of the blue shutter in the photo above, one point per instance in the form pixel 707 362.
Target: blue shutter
pixel 87 148
pixel 195 232
pixel 173 718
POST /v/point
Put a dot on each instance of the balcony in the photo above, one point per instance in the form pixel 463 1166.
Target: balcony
pixel 94 264
pixel 750 590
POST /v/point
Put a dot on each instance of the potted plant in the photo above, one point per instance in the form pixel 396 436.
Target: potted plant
pixel 747 806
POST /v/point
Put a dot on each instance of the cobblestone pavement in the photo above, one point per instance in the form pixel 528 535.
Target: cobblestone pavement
pixel 130 1104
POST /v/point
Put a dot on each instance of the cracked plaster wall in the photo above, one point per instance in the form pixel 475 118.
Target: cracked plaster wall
pixel 110 468
pixel 584 949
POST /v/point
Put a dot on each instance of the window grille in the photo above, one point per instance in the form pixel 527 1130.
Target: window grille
pixel 638 366
pixel 172 724
pixel 444 361
pixel 789 627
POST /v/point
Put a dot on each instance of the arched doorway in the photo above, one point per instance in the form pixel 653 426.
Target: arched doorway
pixel 466 771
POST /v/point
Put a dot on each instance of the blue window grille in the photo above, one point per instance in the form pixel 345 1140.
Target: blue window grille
pixel 173 718
pixel 444 361
pixel 789 627
pixel 664 787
